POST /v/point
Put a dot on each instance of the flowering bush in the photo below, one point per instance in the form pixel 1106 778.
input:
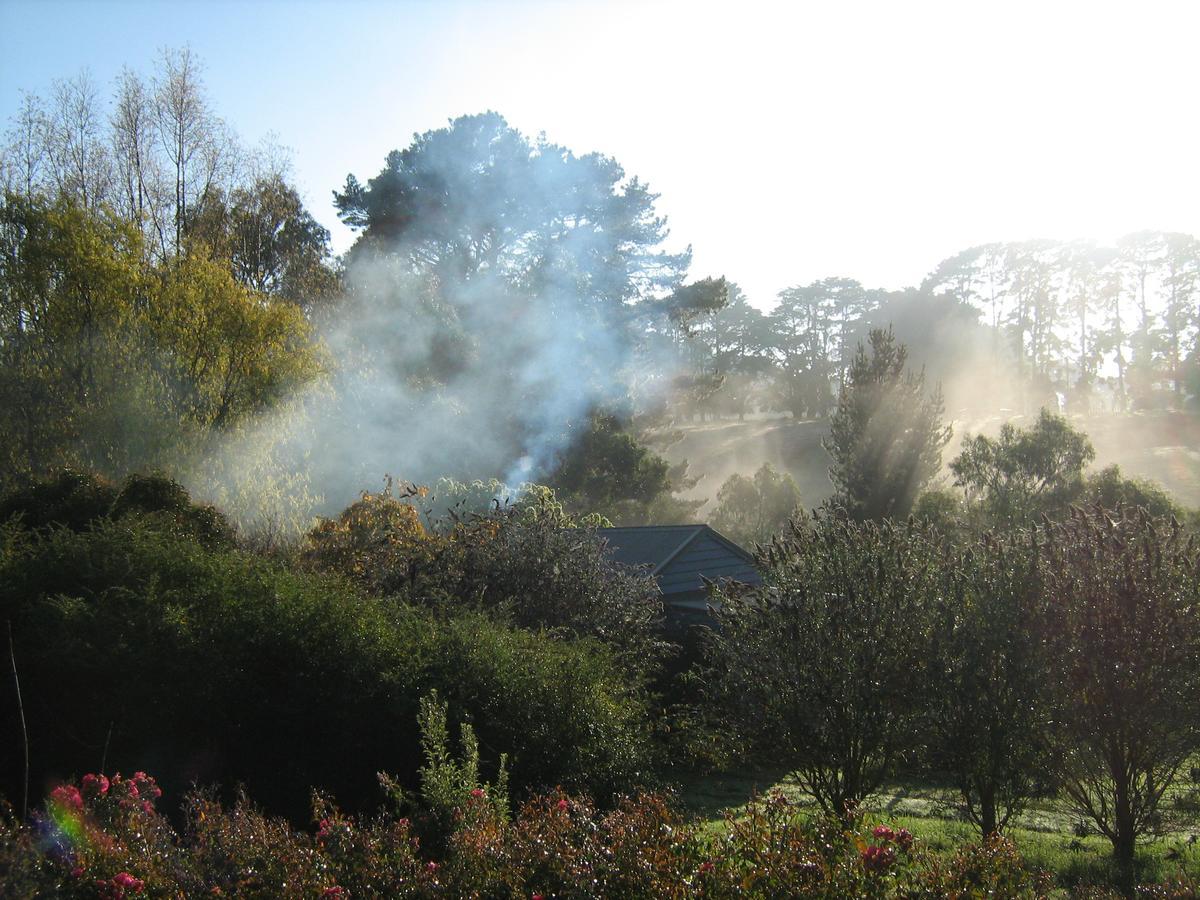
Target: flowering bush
pixel 106 844
pixel 556 845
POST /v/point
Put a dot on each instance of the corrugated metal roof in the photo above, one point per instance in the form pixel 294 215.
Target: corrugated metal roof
pixel 681 556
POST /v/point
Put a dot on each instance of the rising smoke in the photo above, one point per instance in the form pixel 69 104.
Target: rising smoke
pixel 475 336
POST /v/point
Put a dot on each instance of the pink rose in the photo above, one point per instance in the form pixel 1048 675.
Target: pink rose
pixel 878 859
pixel 94 786
pixel 123 882
pixel 67 796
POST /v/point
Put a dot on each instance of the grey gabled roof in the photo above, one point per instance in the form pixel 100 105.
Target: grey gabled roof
pixel 680 557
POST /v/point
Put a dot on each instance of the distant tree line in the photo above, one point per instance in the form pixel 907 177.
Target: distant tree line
pixel 1109 328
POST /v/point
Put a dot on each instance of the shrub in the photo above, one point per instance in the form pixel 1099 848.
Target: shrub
pixel 137 642
pixel 75 500
pixel 823 667
pixel 70 499
pixel 85 844
pixel 988 704
pixel 520 564
pixel 1122 624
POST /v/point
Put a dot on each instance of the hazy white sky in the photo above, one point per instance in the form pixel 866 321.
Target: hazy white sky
pixel 789 141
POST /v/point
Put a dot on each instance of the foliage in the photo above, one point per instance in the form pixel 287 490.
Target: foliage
pixel 75 500
pixel 89 841
pixel 111 365
pixel 525 563
pixel 607 471
pixel 886 436
pixel 824 667
pixel 1109 489
pixel 1123 629
pixel 988 706
pixel 216 663
pixel 479 195
pixel 69 282
pixel 228 351
pixel 450 789
pixel 373 539
pixel 750 510
pixel 452 501
pixel 942 509
pixel 1024 472
pixel 275 246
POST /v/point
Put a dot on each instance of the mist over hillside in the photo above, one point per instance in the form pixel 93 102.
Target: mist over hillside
pixel 1162 447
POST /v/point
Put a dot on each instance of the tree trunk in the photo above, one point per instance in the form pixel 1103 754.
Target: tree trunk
pixel 1123 835
pixel 987 809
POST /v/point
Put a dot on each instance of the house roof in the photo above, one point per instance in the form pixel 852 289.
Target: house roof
pixel 681 556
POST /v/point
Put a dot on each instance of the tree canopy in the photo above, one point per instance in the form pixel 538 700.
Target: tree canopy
pixel 886 435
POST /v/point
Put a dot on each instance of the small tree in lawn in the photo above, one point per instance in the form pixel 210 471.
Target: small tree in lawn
pixel 1122 618
pixel 886 436
pixel 988 710
pixel 750 510
pixel 823 667
pixel 1025 471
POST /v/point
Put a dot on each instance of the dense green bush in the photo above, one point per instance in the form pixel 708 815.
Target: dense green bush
pixel 988 704
pixel 824 668
pixel 141 647
pixel 74 500
pixel 525 564
pixel 1122 626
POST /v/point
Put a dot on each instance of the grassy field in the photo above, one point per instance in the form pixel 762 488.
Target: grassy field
pixel 1048 834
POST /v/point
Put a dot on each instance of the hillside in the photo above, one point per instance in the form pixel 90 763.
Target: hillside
pixel 1160 446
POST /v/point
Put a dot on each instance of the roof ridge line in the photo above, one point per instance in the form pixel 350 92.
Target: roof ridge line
pixel 691 537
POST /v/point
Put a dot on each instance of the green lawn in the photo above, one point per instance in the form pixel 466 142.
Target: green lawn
pixel 1045 834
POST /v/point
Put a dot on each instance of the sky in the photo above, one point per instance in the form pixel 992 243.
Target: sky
pixel 788 141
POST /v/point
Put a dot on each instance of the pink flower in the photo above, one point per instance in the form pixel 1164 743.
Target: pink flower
pixel 878 859
pixel 77 872
pixel 335 891
pixel 706 867
pixel 94 786
pixel 904 838
pixel 477 793
pixel 127 881
pixel 883 833
pixel 535 897
pixel 563 805
pixel 67 796
pixel 431 867
pixel 147 807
